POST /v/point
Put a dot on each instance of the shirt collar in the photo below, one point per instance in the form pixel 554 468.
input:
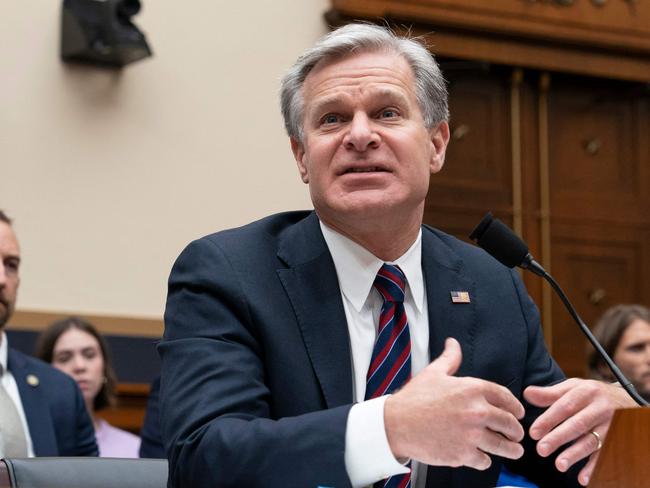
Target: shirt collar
pixel 4 348
pixel 356 268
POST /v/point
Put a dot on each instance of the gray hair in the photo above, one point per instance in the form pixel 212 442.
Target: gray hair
pixel 430 87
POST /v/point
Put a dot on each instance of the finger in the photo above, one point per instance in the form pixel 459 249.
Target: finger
pixel 479 460
pixel 505 424
pixel 572 428
pixel 566 406
pixel 501 397
pixel 585 473
pixel 449 361
pixel 543 396
pixel 494 443
pixel 584 446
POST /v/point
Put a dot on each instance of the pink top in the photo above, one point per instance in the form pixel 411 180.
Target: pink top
pixel 114 442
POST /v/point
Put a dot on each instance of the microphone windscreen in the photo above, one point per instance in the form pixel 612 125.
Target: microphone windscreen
pixel 500 241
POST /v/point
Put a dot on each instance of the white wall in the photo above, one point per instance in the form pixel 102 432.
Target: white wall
pixel 109 174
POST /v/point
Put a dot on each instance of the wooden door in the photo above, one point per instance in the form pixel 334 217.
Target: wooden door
pixel 477 174
pixel 599 205
pixel 566 161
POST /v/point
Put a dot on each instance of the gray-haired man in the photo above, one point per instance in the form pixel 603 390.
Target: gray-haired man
pixel 276 332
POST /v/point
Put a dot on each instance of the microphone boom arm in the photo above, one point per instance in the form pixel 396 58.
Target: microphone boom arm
pixel 503 244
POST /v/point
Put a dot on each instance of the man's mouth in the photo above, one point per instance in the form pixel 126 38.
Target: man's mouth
pixel 374 169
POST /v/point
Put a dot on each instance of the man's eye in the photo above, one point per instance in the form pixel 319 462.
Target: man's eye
pixel 330 119
pixel 388 113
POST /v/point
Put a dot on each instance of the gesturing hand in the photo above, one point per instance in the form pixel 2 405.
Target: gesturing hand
pixel 577 408
pixel 442 420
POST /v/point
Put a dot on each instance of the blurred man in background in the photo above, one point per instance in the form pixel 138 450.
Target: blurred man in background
pixel 42 412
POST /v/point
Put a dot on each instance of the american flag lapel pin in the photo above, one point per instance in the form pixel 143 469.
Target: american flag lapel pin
pixel 460 297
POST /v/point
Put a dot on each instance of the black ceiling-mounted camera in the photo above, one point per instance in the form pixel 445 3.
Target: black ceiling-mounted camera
pixel 101 32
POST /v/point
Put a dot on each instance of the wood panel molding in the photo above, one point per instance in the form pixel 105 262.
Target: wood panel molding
pixel 515 131
pixel 617 25
pixel 478 42
pixel 108 325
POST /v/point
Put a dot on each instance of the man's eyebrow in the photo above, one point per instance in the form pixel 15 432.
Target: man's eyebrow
pixel 391 94
pixel 327 101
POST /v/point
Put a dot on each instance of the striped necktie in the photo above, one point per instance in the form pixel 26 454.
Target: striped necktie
pixel 390 366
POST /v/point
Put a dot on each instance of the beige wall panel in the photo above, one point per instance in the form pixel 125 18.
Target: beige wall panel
pixel 109 174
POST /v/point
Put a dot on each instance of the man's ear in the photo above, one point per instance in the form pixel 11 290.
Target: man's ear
pixel 299 154
pixel 439 141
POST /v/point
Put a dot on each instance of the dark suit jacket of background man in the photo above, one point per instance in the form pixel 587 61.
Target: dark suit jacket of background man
pixel 59 424
pixel 256 368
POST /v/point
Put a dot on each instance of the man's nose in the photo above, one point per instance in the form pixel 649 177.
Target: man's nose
pixel 361 134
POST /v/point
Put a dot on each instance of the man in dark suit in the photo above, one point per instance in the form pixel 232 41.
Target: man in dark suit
pixel 297 348
pixel 47 415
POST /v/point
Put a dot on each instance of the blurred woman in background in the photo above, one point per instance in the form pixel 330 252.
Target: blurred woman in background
pixel 75 347
pixel 624 333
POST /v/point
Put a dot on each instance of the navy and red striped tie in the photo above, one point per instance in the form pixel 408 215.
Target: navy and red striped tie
pixel 390 366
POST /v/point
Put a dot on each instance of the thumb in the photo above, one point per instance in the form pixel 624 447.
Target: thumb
pixel 449 361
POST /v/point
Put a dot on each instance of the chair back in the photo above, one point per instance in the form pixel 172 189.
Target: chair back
pixel 83 472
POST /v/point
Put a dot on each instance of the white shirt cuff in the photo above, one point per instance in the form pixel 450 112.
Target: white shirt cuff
pixel 368 457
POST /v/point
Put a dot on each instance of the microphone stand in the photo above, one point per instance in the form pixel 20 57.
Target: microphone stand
pixel 503 244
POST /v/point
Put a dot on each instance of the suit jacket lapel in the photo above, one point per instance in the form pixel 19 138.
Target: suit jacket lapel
pixel 312 286
pixel 443 273
pixel 37 413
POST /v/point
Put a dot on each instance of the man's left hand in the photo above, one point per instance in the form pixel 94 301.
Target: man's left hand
pixel 577 409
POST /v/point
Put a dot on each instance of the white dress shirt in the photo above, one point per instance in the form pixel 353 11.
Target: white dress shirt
pixel 368 457
pixel 9 382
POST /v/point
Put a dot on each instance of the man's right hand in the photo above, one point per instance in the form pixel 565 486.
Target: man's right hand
pixel 442 420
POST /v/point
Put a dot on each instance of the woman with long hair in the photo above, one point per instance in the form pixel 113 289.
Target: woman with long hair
pixel 75 347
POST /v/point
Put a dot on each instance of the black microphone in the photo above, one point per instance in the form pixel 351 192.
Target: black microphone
pixel 503 244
